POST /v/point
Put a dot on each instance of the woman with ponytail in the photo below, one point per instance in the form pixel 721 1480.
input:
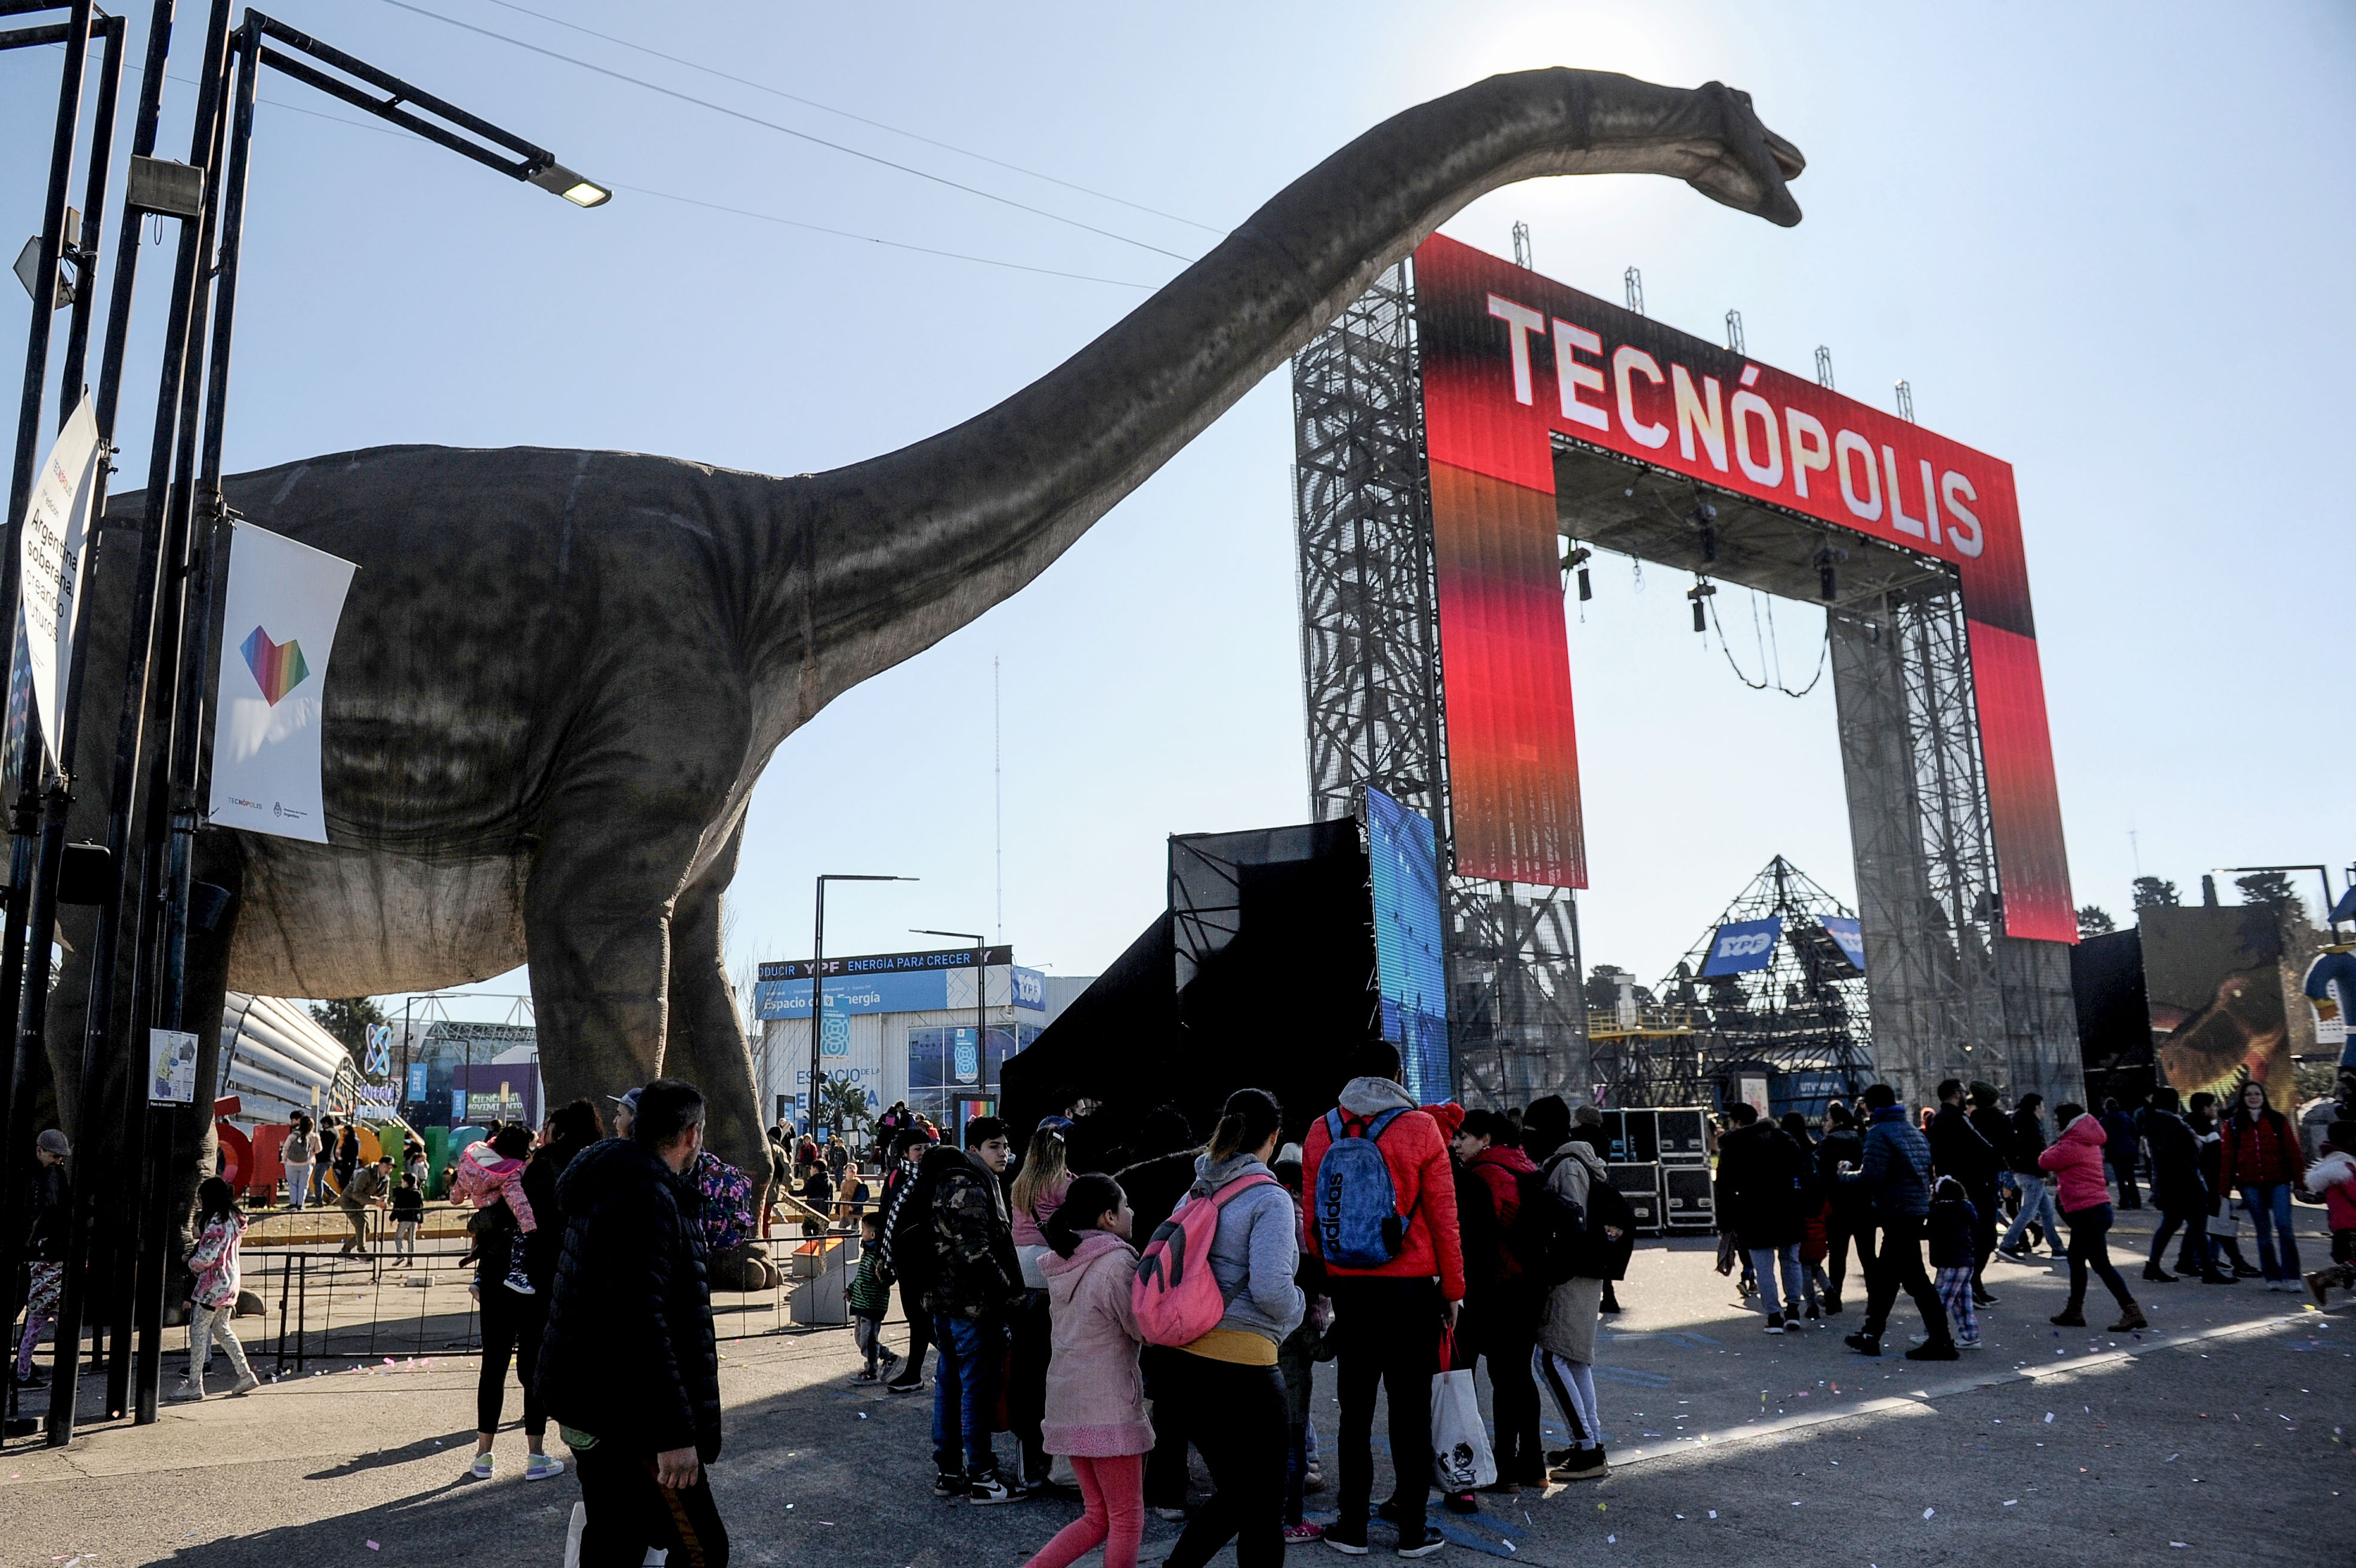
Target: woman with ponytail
pixel 1039 1190
pixel 1095 1408
pixel 1231 1397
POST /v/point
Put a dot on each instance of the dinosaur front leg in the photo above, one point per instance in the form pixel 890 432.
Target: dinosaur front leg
pixel 597 916
pixel 706 1040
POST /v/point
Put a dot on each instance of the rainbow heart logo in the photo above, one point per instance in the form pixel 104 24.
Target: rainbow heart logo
pixel 277 667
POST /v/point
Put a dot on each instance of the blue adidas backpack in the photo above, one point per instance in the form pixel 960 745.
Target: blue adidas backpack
pixel 1357 1217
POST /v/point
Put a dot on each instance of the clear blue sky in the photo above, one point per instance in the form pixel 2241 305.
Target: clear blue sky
pixel 2106 244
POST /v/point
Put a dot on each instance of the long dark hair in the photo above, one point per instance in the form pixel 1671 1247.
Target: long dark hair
pixel 1085 1203
pixel 216 1199
pixel 1245 1123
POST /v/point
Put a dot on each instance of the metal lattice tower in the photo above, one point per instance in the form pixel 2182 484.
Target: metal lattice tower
pixel 1370 669
pixel 1919 826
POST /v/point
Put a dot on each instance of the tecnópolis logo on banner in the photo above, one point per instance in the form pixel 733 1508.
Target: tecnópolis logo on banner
pixel 283 602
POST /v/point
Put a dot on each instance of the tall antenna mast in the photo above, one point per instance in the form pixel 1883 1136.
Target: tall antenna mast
pixel 997 796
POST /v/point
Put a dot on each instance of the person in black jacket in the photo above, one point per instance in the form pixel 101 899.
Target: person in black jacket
pixel 2036 1195
pixel 627 1365
pixel 1851 1216
pixel 1587 1125
pixel 2177 1190
pixel 514 1325
pixel 1961 1150
pixel 1762 1180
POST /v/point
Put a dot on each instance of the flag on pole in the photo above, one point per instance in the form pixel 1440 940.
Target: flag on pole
pixel 50 559
pixel 278 628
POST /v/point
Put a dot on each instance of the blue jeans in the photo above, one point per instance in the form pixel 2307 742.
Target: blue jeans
pixel 2036 1207
pixel 2269 1206
pixel 1764 1262
pixel 965 1391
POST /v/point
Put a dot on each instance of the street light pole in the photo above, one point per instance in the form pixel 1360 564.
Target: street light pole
pixel 980 1000
pixel 817 981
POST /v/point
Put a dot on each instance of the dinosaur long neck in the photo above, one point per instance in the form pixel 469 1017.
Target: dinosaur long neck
pixel 915 543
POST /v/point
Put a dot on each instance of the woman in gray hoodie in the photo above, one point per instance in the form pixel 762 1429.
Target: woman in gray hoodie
pixel 1231 1395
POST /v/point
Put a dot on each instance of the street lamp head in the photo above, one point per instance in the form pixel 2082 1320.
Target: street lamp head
pixel 570 185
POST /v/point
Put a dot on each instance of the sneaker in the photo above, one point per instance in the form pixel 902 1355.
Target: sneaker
pixel 542 1468
pixel 1775 1322
pixel 888 1358
pixel 2130 1320
pixel 2316 1287
pixel 2068 1317
pixel 1813 1314
pixel 482 1468
pixel 1584 1465
pixel 908 1382
pixel 1313 1480
pixel 1342 1541
pixel 1971 1344
pixel 864 1375
pixel 1173 1515
pixel 1936 1350
pixel 1864 1344
pixel 518 1280
pixel 1460 1502
pixel 949 1483
pixel 1982 1298
pixel 2243 1271
pixel 1420 1546
pixel 188 1393
pixel 1832 1306
pixel 988 1488
pixel 1302 1533
pixel 244 1386
pixel 2013 1255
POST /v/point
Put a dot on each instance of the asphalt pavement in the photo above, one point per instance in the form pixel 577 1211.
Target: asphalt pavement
pixel 2225 1431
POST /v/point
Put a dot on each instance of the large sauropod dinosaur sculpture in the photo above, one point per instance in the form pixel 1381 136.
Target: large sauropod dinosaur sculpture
pixel 559 673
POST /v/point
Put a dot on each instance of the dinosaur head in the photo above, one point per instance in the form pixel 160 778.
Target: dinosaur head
pixel 1751 168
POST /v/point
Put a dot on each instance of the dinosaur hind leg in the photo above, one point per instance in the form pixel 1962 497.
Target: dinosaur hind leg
pixel 706 1043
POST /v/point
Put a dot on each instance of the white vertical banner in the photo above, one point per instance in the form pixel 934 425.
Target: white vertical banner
pixel 278 628
pixel 50 559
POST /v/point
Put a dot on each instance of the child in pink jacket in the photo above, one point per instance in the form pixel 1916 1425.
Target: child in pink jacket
pixel 491 1175
pixel 2076 1161
pixel 2332 1178
pixel 1095 1396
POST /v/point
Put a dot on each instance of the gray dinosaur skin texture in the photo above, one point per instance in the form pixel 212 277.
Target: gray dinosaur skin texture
pixel 559 673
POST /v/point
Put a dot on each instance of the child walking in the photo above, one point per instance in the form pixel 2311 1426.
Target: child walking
pixel 213 1303
pixel 2332 1178
pixel 870 1299
pixel 1095 1396
pixel 491 1175
pixel 407 1214
pixel 1952 1225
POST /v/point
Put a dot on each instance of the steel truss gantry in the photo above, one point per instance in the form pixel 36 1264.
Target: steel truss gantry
pixel 1371 674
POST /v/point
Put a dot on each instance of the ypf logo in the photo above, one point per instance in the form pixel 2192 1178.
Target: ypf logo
pixel 1745 944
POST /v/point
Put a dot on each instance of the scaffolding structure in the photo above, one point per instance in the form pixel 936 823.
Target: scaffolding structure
pixel 1802 1018
pixel 1371 677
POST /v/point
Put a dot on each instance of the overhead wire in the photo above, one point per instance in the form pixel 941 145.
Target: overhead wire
pixel 1766 682
pixel 790 131
pixel 858 119
pixel 716 207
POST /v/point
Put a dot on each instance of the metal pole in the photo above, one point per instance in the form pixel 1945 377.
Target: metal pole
pixel 16 1108
pixel 173 528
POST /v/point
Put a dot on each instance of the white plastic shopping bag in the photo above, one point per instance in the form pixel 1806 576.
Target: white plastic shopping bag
pixel 1461 1456
pixel 656 1555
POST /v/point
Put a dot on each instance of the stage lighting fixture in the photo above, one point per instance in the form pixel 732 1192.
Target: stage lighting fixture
pixel 1698 593
pixel 1708 518
pixel 1577 561
pixel 571 187
pixel 1828 581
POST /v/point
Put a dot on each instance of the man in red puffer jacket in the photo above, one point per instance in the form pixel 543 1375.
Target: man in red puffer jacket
pixel 1388 1315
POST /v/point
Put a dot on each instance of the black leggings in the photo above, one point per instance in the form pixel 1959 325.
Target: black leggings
pixel 920 1331
pixel 1235 1414
pixel 1839 1231
pixel 512 1325
pixel 2089 1249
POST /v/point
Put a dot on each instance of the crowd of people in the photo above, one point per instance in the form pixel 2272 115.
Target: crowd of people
pixel 1112 1321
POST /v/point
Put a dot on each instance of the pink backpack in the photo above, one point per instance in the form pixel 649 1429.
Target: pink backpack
pixel 1175 1297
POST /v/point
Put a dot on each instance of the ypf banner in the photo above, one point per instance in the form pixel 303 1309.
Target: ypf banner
pixel 277 631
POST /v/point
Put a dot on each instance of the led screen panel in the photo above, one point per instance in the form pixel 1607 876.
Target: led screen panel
pixel 1402 854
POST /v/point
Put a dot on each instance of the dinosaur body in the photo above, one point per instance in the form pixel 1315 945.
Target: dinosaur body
pixel 560 674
